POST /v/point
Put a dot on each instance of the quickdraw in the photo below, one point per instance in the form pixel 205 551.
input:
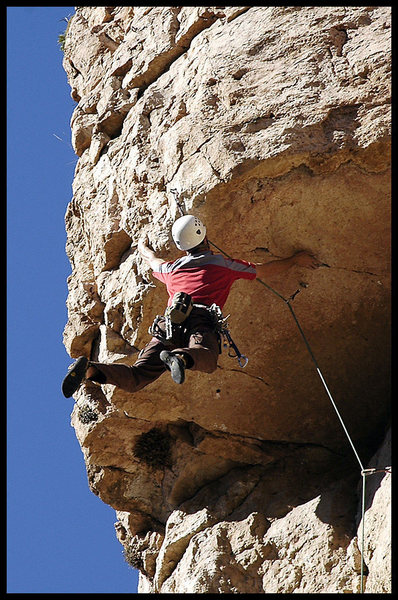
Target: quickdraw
pixel 223 329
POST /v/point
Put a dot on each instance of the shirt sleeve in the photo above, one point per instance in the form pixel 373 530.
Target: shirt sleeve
pixel 160 272
pixel 242 269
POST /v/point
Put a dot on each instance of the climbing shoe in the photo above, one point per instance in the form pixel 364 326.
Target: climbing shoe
pixel 75 376
pixel 175 365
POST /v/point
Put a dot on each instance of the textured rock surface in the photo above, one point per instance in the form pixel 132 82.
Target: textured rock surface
pixel 273 126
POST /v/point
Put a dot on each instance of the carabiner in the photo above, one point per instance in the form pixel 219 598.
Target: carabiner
pixel 240 359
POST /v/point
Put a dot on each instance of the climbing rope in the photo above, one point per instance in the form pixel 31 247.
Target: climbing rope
pixel 364 472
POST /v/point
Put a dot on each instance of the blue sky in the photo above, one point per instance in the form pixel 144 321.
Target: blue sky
pixel 60 536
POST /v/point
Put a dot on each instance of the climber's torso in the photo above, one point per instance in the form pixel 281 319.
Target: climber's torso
pixel 207 277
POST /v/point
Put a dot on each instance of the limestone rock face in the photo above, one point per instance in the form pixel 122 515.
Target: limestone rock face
pixel 272 125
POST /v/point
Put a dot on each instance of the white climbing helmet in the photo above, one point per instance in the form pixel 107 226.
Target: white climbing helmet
pixel 188 231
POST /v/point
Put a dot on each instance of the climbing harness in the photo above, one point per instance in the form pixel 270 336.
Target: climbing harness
pixel 364 472
pixel 179 310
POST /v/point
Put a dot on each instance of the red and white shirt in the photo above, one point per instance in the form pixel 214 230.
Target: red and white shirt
pixel 207 277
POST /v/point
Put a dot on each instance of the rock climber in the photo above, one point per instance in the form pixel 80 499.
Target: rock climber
pixel 196 283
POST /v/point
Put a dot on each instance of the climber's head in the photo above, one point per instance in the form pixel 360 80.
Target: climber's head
pixel 188 232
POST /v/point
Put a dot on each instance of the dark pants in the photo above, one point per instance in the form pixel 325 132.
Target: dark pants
pixel 196 340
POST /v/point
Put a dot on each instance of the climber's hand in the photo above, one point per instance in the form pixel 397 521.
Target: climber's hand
pixel 143 245
pixel 305 259
pixel 148 254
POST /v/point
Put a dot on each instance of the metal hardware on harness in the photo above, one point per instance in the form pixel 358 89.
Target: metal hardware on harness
pixel 169 328
pixel 155 330
pixel 221 323
pixel 164 334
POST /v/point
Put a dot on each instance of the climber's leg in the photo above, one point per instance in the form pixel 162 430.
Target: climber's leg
pixel 202 343
pixel 146 369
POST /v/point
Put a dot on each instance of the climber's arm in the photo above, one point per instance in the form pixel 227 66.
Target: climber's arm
pixel 281 266
pixel 149 255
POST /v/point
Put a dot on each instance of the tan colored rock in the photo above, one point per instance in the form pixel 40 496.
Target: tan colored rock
pixel 273 125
